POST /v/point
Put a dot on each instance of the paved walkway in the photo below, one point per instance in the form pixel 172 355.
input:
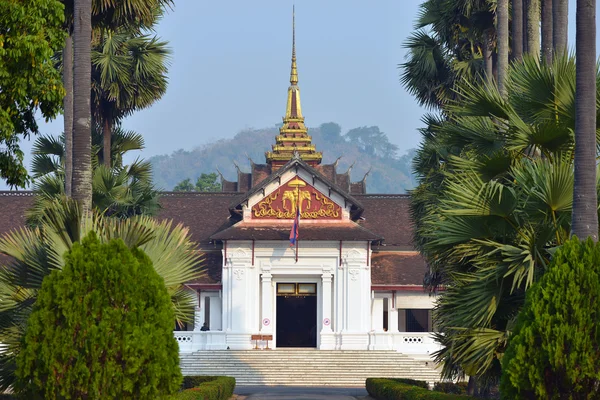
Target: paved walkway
pixel 299 393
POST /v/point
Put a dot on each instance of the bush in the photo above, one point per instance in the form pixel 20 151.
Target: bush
pixel 554 351
pixel 391 389
pixel 206 388
pixel 102 327
pixel 451 387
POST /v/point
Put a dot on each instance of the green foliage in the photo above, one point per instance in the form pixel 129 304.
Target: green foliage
pixel 206 388
pixel 394 389
pixel 451 387
pixel 129 73
pixel 100 328
pixel 204 183
pixel 494 201
pixel 35 252
pixel 446 48
pixel 388 173
pixel 554 351
pixel 120 191
pixel 31 31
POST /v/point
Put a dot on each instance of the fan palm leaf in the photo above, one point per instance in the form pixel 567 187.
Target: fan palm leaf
pixel 35 252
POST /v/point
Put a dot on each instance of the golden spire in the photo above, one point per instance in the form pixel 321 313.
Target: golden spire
pixel 294 72
pixel 293 136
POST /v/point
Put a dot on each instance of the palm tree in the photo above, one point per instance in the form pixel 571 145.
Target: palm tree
pixel 547 46
pixel 129 73
pixel 502 32
pixel 585 203
pixel 517 29
pixel 120 191
pixel 35 252
pixel 82 118
pixel 453 41
pixel 533 27
pixel 105 14
pixel 560 25
pixel 494 199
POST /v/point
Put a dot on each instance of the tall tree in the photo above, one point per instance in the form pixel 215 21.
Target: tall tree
pixel 502 38
pixel 106 14
pixel 533 27
pixel 82 116
pixel 560 25
pixel 30 33
pixel 517 29
pixel 585 200
pixel 68 110
pixel 129 73
pixel 547 38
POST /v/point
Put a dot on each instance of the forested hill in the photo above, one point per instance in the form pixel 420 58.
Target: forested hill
pixel 365 147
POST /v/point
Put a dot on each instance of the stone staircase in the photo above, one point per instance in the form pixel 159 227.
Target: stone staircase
pixel 306 367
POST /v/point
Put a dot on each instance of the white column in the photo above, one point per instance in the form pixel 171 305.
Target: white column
pixel 327 314
pixel 393 320
pixel 266 324
pixel 377 315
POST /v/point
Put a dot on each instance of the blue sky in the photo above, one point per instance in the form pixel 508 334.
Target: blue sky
pixel 230 69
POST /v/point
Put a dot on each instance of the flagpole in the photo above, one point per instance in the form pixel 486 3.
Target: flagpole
pixel 298 223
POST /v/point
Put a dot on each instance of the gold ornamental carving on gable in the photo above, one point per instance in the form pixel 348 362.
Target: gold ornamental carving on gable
pixel 284 202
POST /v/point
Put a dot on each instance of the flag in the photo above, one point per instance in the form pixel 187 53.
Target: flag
pixel 294 231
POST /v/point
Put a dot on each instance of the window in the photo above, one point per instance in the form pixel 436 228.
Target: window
pixel 385 314
pixel 417 320
pixel 207 311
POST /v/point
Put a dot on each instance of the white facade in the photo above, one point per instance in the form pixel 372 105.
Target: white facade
pixel 350 315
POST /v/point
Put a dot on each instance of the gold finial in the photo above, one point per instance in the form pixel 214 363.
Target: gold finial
pixel 294 73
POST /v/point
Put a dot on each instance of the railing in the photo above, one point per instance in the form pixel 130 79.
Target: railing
pixel 417 343
pixel 190 341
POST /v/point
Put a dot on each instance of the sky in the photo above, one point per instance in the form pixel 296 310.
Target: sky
pixel 230 68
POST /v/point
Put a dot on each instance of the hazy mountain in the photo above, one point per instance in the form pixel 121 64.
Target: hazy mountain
pixel 366 148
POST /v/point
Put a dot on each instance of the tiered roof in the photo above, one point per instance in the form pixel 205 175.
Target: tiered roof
pixel 293 135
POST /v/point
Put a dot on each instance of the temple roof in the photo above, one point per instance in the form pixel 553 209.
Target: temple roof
pixel 297 162
pixel 394 262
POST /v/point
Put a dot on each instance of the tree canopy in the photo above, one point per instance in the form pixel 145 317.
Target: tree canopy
pixel 31 31
pixel 554 350
pixel 204 183
pixel 100 328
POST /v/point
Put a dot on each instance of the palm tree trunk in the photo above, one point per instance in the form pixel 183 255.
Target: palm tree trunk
pixel 106 135
pixel 82 134
pixel 68 113
pixel 533 28
pixel 502 39
pixel 517 29
pixel 560 25
pixel 525 26
pixel 585 202
pixel 487 56
pixel 547 46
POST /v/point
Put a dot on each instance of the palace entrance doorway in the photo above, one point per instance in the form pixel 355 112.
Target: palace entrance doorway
pixel 296 315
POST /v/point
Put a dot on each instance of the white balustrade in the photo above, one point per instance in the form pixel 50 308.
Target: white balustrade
pixel 416 343
pixel 190 341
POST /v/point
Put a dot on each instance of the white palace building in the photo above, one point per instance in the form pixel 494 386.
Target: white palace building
pixel 352 282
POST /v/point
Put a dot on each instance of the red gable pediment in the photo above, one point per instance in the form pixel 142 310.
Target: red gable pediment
pixel 284 201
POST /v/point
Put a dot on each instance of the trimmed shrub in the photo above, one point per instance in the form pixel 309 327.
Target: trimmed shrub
pixel 554 351
pixel 412 382
pixel 451 387
pixel 206 388
pixel 391 389
pixel 102 327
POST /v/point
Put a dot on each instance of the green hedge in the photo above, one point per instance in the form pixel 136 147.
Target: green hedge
pixel 392 389
pixel 206 388
pixel 451 387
